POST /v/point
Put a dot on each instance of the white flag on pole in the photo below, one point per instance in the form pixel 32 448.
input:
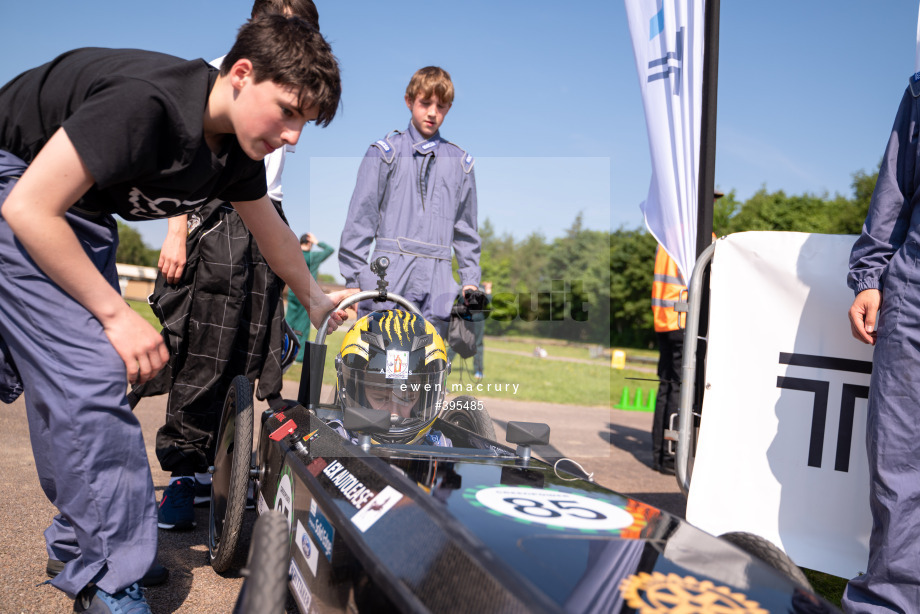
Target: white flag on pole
pixel 917 54
pixel 667 38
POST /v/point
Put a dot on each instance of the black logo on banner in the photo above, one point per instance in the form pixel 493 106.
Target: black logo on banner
pixel 671 62
pixel 820 389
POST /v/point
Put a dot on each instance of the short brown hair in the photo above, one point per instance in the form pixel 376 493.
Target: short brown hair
pixel 431 80
pixel 290 52
pixel 305 9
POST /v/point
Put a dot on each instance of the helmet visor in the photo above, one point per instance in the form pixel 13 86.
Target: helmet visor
pixel 412 402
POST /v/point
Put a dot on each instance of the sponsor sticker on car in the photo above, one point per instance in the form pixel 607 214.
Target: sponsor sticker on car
pixel 376 508
pixel 651 593
pixel 299 588
pixel 354 491
pixel 321 529
pixel 310 437
pixel 307 548
pixel 261 506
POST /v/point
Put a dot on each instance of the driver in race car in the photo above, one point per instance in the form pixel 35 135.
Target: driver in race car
pixel 394 361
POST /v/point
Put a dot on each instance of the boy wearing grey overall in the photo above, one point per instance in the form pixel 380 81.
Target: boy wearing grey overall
pixel 416 198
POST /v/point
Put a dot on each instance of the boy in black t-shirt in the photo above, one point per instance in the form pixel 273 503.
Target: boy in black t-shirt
pixel 222 316
pixel 144 135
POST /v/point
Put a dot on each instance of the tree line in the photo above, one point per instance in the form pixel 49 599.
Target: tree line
pixel 594 286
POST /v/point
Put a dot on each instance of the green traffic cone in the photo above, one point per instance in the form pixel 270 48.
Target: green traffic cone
pixel 637 402
pixel 624 400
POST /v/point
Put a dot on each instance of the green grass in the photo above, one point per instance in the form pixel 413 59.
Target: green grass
pixel 143 309
pixel 511 344
pixel 525 378
pixel 333 343
pixel 828 586
pixel 560 349
pixel 515 377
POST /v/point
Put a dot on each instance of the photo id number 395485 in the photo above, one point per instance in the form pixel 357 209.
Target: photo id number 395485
pixel 465 404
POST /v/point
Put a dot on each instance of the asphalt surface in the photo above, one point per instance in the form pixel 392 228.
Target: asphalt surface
pixel 613 445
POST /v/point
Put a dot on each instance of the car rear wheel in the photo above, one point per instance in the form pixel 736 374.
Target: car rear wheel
pixel 767 552
pixel 265 588
pixel 231 474
pixel 469 413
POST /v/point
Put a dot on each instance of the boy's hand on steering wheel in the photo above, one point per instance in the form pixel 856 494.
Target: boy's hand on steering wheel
pixel 339 315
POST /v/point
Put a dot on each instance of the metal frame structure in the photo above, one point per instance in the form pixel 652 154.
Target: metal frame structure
pixel 686 434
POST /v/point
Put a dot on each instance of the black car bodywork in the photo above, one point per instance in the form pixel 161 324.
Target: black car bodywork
pixel 478 528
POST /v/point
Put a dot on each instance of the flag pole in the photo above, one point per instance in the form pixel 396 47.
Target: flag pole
pixel 706 185
pixel 695 343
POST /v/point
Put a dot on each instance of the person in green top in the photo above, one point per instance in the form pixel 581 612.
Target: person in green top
pixel 296 315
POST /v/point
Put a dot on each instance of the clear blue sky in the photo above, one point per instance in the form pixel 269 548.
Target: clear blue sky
pixel 547 95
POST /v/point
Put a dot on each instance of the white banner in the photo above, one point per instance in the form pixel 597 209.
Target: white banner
pixel 667 38
pixel 781 449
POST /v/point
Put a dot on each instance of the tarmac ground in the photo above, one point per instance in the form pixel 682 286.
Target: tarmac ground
pixel 614 445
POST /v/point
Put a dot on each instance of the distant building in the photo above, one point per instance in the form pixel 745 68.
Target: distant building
pixel 136 282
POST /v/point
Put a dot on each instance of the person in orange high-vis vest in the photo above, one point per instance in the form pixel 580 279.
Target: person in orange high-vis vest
pixel 667 287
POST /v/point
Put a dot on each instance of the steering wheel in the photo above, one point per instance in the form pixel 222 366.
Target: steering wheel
pixel 378 266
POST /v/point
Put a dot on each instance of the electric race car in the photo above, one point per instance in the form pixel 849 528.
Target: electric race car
pixel 421 510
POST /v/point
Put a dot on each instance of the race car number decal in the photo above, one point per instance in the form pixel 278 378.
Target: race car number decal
pixel 658 593
pixel 554 508
pixel 284 498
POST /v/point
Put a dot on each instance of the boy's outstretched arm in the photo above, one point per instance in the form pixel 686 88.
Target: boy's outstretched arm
pixel 35 210
pixel 281 249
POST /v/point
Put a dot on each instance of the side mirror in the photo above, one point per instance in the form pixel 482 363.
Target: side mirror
pixel 525 435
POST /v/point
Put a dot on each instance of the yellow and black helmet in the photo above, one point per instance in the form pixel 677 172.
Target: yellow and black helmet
pixel 394 361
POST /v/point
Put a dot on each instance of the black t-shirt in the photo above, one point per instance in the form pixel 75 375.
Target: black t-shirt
pixel 135 117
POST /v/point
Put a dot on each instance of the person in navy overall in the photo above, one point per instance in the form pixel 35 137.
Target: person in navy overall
pixel 98 132
pixel 884 270
pixel 415 198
